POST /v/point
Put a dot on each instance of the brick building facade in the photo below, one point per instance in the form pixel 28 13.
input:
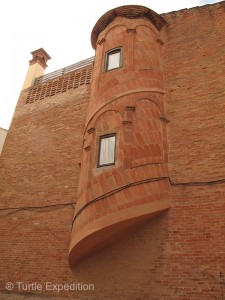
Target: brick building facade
pixel 112 174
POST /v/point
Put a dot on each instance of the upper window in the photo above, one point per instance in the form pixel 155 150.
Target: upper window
pixel 113 59
pixel 107 146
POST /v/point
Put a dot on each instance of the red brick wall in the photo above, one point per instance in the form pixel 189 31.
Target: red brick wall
pixel 194 70
pixel 176 255
pixel 39 177
pixel 43 150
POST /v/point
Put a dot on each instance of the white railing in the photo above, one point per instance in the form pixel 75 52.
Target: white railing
pixel 65 70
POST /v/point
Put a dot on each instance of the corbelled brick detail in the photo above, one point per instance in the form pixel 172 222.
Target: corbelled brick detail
pixel 127 11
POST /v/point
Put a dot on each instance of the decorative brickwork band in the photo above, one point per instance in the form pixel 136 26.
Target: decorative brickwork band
pixel 59 85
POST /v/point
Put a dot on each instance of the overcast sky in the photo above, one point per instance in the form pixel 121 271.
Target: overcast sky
pixel 62 28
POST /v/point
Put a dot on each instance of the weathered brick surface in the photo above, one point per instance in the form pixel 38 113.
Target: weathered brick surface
pixel 43 150
pixel 194 70
pixel 178 254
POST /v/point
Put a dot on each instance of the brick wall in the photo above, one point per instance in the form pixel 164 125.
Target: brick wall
pixel 39 177
pixel 43 149
pixel 194 70
pixel 176 255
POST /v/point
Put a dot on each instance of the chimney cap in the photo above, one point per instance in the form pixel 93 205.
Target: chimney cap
pixel 40 56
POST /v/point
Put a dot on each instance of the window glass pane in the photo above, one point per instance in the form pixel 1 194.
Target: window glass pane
pixel 107 150
pixel 113 60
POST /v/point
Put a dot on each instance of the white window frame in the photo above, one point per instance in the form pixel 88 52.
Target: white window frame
pixel 107 150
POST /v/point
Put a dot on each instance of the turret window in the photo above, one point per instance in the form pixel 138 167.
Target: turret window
pixel 107 146
pixel 113 59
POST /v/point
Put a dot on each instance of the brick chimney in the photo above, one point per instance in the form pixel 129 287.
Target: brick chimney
pixel 37 66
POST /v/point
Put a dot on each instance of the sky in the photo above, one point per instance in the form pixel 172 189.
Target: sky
pixel 62 28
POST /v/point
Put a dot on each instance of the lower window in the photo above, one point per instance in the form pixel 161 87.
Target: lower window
pixel 107 147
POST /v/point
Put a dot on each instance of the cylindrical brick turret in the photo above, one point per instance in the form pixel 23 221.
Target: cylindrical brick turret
pixel 124 176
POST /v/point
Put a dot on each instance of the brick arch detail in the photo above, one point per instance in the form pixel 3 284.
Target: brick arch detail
pixel 154 100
